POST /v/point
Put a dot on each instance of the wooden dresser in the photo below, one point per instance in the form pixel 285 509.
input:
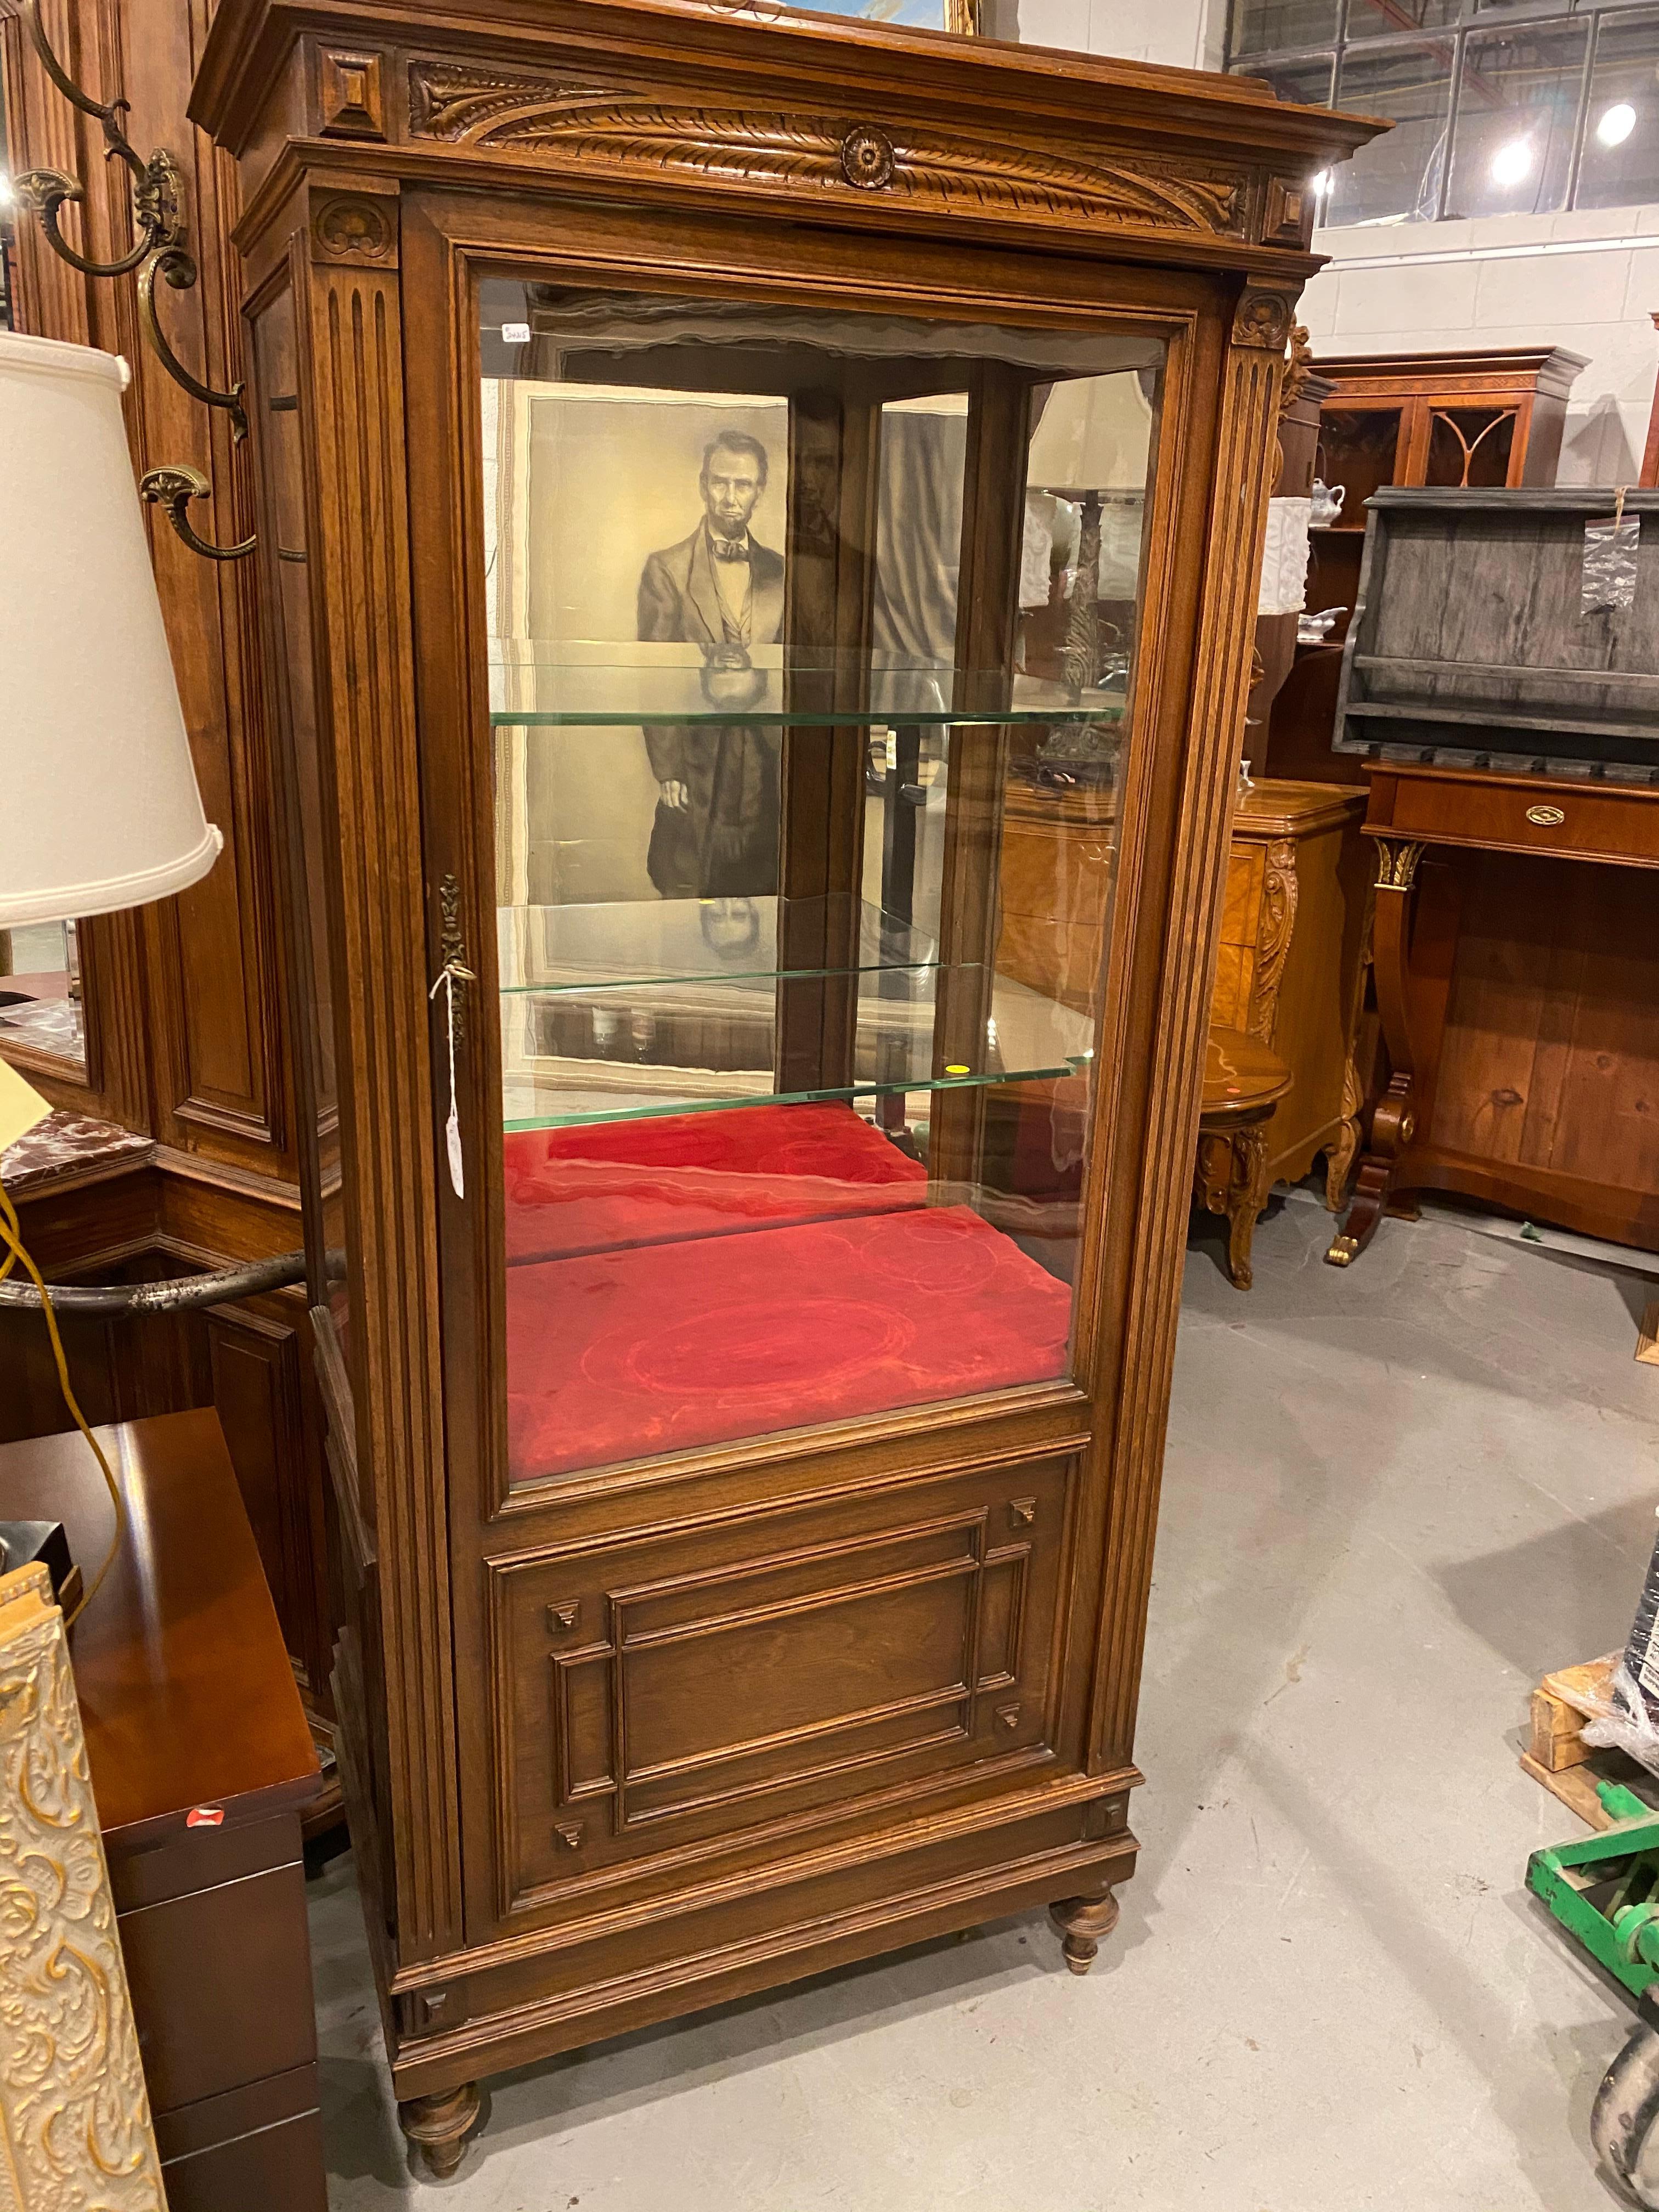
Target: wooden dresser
pixel 202 1765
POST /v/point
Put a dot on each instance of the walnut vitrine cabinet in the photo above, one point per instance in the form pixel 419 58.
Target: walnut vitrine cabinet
pixel 708 470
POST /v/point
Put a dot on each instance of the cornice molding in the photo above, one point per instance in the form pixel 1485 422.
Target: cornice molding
pixel 584 120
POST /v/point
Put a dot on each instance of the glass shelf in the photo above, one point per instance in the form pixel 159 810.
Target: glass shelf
pixel 534 683
pixel 1075 1065
pixel 628 944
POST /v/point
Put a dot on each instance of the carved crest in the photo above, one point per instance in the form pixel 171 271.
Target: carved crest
pixel 581 121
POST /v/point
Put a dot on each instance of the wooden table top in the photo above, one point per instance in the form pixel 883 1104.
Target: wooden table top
pixel 186 1695
pixel 1240 1075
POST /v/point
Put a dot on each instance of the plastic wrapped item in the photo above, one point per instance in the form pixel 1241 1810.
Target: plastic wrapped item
pixel 1285 558
pixel 1610 548
pixel 1632 1722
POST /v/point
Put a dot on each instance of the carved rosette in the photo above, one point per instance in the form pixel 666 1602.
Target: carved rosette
pixel 581 121
pixel 866 159
pixel 1279 897
pixel 356 229
pixel 1263 318
pixel 74 2114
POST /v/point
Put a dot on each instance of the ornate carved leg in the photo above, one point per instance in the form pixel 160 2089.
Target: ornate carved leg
pixel 1083 1921
pixel 1247 1195
pixel 1344 1146
pixel 438 2126
pixel 1394 1119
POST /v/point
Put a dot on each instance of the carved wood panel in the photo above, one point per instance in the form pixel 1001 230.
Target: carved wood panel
pixel 591 122
pixel 697 1684
pixel 73 2115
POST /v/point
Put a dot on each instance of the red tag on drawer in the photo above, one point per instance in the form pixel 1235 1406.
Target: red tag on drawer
pixel 205 1816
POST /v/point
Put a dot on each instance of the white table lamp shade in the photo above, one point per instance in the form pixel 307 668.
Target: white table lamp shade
pixel 99 807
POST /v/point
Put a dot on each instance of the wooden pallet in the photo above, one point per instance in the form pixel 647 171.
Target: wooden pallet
pixel 1557 1754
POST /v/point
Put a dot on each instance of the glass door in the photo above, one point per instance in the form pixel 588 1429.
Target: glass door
pixel 812 646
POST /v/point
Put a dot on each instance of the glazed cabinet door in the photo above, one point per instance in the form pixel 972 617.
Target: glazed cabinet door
pixel 775 1210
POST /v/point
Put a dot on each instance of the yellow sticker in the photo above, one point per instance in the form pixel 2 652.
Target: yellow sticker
pixel 956 1067
pixel 21 1108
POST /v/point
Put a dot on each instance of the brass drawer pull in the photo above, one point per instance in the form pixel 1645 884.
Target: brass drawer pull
pixel 1545 817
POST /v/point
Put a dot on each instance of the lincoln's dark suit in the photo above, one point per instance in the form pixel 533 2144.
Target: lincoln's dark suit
pixel 726 839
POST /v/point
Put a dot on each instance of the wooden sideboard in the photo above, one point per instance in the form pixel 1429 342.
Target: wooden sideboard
pixel 1516 960
pixel 202 1766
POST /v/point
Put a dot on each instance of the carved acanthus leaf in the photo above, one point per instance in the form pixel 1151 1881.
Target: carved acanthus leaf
pixel 580 121
pixel 1272 948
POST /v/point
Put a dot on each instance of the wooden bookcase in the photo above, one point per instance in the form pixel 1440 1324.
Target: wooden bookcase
pixel 1473 421
pixel 746 1412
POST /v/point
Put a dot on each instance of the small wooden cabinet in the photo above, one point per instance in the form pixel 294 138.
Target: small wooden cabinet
pixel 1289 969
pixel 745 1304
pixel 202 1766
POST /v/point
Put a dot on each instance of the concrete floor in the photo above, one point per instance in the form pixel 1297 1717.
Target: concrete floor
pixel 1393 1498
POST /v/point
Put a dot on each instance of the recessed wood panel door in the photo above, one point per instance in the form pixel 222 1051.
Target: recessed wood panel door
pixel 696 1685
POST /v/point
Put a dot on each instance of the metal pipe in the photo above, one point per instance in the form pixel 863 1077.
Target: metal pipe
pixel 177 1294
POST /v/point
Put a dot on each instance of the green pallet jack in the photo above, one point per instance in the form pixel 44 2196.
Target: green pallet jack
pixel 1604 1890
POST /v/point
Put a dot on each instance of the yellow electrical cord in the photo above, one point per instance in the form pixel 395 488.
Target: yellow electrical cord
pixel 11 1238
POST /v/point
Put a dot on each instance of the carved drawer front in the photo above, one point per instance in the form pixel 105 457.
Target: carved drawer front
pixel 666 1689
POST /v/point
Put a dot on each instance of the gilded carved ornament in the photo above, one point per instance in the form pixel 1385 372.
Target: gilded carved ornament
pixel 73 2106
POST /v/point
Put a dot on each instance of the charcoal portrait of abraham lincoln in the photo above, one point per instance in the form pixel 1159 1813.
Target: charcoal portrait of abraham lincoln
pixel 719 588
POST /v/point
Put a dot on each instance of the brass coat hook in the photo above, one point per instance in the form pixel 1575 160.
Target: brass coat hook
pixel 172 489
pixel 178 268
pixel 156 183
pixel 159 250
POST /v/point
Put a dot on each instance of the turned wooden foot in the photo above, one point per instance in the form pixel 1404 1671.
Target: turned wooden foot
pixel 438 2126
pixel 1083 1921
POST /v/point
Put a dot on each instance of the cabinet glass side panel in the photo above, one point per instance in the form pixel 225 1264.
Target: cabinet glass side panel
pixel 812 645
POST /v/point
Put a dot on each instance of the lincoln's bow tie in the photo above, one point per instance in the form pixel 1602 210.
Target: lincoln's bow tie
pixel 730 549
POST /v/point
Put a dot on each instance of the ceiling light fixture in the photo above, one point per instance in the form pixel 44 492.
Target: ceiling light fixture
pixel 1616 123
pixel 1512 163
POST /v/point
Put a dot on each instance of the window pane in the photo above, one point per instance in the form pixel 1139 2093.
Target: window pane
pixel 1373 19
pixel 1396 179
pixel 1516 107
pixel 1307 81
pixel 1282 26
pixel 1619 166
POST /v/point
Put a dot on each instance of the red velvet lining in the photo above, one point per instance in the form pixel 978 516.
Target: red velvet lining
pixel 623 1355
pixel 606 1184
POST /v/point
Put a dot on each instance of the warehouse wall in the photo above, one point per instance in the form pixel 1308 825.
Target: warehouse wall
pixel 1588 281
